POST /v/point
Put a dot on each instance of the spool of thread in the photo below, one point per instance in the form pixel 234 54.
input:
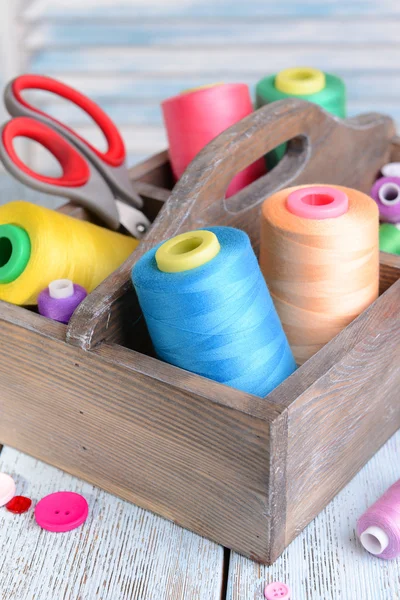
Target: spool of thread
pixel 192 119
pixel 319 255
pixel 324 89
pixel 208 310
pixel 391 170
pixel 379 527
pixel 38 245
pixel 60 299
pixel 389 238
pixel 386 193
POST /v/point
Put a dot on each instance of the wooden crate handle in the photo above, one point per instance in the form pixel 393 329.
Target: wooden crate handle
pixel 325 150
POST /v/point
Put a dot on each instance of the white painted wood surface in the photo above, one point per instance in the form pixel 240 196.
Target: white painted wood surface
pixel 121 553
pixel 326 561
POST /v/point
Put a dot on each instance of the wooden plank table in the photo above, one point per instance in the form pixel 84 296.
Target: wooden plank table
pixel 125 553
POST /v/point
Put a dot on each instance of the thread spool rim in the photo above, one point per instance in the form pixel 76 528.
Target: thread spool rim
pixel 387 187
pixel 187 251
pixel 206 86
pixel 318 202
pixel 375 540
pixel 300 81
pixel 391 169
pixel 61 288
pixel 15 252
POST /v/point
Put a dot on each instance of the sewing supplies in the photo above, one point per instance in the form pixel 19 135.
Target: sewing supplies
pixel 7 488
pixel 38 245
pixel 61 511
pixel 389 238
pixel 379 527
pixel 277 591
pixel 60 299
pixel 194 118
pixel 19 505
pixel 391 170
pixel 208 310
pixel 319 256
pixel 324 89
pixel 386 193
pixel 90 178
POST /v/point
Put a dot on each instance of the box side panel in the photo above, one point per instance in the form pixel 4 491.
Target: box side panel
pixel 192 460
pixel 340 421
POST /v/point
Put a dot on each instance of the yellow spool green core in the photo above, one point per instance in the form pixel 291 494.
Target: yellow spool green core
pixel 187 251
pixel 300 81
pixel 15 252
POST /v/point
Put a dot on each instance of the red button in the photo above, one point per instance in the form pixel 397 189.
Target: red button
pixel 62 511
pixel 19 505
pixel 277 591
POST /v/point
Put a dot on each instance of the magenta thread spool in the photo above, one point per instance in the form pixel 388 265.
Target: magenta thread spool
pixel 60 299
pixel 379 527
pixel 386 193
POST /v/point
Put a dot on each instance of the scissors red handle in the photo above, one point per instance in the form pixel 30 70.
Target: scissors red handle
pixel 115 154
pixel 80 181
pixel 111 163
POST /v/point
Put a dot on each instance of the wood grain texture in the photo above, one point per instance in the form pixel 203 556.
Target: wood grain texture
pixel 326 561
pixel 121 553
pixel 161 443
pixel 326 150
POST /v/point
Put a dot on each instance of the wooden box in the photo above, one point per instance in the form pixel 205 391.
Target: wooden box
pixel 247 472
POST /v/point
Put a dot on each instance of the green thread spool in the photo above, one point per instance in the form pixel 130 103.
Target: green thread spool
pixel 331 97
pixel 389 238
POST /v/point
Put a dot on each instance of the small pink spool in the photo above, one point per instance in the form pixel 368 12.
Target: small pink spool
pixel 318 202
pixel 379 527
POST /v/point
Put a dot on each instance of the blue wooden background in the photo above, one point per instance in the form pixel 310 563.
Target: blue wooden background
pixel 130 54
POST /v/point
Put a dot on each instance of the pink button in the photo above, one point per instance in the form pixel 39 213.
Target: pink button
pixel 277 590
pixel 7 488
pixel 318 202
pixel 61 511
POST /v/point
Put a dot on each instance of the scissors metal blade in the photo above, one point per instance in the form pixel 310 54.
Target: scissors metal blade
pixel 132 219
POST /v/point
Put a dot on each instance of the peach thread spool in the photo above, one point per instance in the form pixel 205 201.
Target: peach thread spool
pixel 320 257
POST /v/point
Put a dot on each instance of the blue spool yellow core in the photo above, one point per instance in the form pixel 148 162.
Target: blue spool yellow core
pixel 15 252
pixel 300 81
pixel 187 251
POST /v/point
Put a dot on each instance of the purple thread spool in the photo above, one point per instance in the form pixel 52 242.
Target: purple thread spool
pixel 379 527
pixel 386 193
pixel 60 299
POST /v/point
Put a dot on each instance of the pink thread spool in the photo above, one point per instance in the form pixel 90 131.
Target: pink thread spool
pixel 60 299
pixel 386 193
pixel 379 527
pixel 195 118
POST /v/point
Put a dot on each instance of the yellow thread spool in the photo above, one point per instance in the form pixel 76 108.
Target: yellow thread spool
pixel 61 248
pixel 300 81
pixel 187 251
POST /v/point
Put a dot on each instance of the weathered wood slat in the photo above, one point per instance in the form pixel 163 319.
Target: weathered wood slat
pixel 121 553
pixel 223 9
pixel 326 561
pixel 216 33
pixel 214 61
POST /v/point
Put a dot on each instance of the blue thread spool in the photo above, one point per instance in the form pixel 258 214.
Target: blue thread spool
pixel 208 310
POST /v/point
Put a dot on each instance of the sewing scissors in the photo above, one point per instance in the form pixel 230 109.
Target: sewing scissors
pixel 91 178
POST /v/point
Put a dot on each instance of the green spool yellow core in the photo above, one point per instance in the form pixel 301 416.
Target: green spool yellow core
pixel 15 252
pixel 187 251
pixel 300 81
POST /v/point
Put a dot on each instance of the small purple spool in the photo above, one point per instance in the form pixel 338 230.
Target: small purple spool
pixel 60 299
pixel 386 193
